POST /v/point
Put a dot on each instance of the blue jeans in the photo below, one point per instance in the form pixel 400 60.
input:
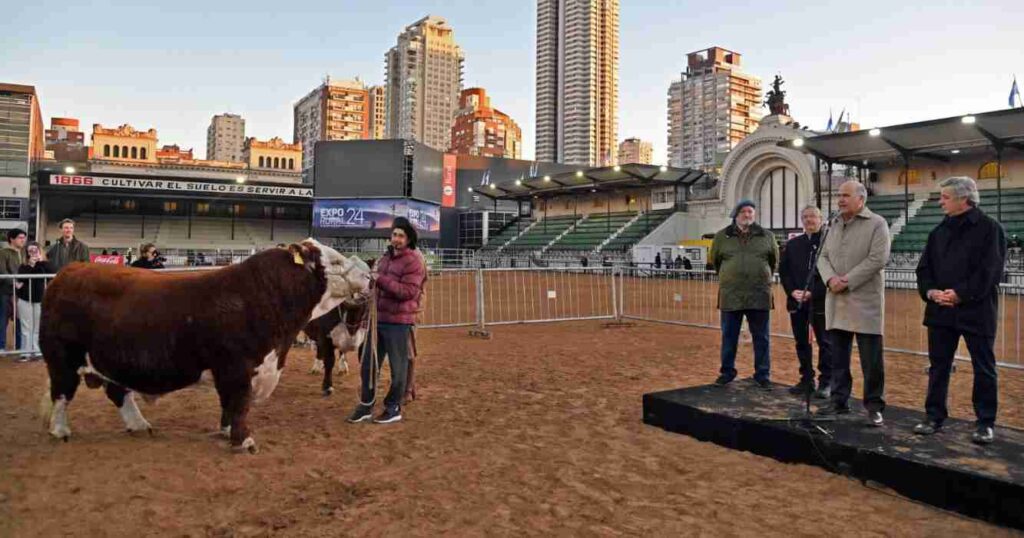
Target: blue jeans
pixel 758 322
pixel 6 305
pixel 393 343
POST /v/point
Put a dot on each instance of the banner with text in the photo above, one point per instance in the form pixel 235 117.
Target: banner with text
pixel 100 182
pixel 375 214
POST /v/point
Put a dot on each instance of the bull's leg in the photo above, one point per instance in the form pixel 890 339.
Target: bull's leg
pixel 328 357
pixel 62 364
pixel 342 366
pixel 124 400
pixel 235 393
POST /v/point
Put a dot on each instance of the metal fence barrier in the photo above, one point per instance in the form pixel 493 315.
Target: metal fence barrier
pixel 485 297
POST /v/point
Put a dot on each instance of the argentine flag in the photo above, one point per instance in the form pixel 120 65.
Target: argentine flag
pixel 1014 92
pixel 829 126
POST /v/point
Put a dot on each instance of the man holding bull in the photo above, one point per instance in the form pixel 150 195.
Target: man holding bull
pixel 399 281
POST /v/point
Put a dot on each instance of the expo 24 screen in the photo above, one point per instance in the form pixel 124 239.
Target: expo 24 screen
pixel 373 216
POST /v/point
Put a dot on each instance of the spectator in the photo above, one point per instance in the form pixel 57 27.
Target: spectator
pixel 104 253
pixel 657 261
pixel 68 248
pixel 149 258
pixel 30 299
pixel 687 265
pixel 745 256
pixel 678 261
pixel 584 261
pixel 11 257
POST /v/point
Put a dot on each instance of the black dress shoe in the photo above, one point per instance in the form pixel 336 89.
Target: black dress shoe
pixel 928 427
pixel 724 380
pixel 763 384
pixel 832 410
pixel 824 392
pixel 801 389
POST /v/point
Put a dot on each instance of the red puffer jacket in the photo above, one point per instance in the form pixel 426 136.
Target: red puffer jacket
pixel 400 279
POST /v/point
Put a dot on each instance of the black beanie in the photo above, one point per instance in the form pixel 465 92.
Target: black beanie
pixel 403 224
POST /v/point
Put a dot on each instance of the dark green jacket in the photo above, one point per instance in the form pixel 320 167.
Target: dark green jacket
pixel 744 268
pixel 60 255
pixel 10 260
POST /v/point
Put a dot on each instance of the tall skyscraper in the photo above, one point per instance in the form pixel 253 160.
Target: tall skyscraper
pixel 225 138
pixel 711 108
pixel 335 110
pixel 378 112
pixel 424 78
pixel 481 130
pixel 577 81
pixel 636 151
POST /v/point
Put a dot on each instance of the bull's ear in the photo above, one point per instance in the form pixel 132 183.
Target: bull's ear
pixel 303 256
pixel 370 262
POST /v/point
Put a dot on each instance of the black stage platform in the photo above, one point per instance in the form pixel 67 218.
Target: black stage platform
pixel 945 469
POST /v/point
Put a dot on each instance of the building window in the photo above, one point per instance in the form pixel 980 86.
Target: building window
pixel 914 177
pixel 291 164
pixel 989 170
pixel 170 207
pixel 124 152
pixel 276 162
pixel 202 208
pixel 117 152
pixel 261 161
pixel 106 150
pixel 142 153
pixel 135 152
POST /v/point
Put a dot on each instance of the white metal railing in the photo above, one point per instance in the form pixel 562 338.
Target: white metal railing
pixel 475 297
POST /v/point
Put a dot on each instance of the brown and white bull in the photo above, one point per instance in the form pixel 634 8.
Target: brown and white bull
pixel 133 330
pixel 341 330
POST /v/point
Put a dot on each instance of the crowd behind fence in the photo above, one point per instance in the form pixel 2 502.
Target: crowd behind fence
pixel 496 296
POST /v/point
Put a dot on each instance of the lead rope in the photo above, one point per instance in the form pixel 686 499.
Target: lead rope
pixel 375 365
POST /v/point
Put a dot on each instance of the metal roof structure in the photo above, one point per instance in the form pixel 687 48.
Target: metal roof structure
pixel 591 180
pixel 935 140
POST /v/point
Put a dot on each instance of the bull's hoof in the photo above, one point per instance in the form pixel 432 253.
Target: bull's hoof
pixel 224 433
pixel 318 367
pixel 247 446
pixel 132 431
pixel 62 433
pixel 328 391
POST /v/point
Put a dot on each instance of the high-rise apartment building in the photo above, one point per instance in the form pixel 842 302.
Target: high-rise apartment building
pixel 336 110
pixel 65 140
pixel 21 142
pixel 711 108
pixel 636 151
pixel 378 112
pixel 577 81
pixel 481 130
pixel 225 138
pixel 423 78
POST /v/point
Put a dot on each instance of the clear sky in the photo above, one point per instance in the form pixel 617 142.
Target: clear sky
pixel 174 65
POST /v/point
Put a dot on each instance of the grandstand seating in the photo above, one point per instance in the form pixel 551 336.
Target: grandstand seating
pixel 914 235
pixel 590 233
pixel 540 235
pixel 889 206
pixel 511 230
pixel 121 232
pixel 637 231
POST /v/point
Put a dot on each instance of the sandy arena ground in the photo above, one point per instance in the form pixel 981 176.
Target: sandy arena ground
pixel 536 431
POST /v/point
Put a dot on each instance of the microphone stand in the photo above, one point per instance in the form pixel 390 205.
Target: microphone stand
pixel 807 420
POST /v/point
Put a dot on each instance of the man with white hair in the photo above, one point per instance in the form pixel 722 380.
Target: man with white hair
pixel 958 277
pixel 852 265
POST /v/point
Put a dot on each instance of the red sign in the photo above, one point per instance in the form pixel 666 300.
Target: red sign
pixel 71 180
pixel 109 260
pixel 448 181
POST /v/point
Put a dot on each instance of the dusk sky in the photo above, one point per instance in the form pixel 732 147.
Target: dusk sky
pixel 172 66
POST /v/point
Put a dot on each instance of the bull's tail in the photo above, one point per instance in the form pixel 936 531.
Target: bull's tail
pixel 46 404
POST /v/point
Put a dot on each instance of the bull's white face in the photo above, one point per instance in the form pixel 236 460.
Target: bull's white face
pixel 347 279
